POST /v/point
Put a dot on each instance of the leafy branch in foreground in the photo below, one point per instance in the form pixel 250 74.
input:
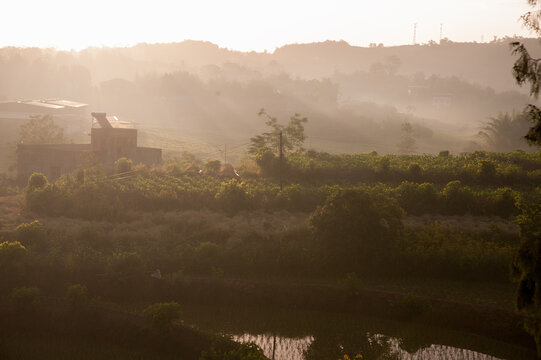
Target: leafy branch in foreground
pixel 527 70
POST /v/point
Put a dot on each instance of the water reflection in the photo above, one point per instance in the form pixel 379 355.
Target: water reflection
pixel 297 334
pixel 283 347
pixel 370 346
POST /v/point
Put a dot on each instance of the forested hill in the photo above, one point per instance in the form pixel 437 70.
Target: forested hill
pixel 487 64
pixel 355 98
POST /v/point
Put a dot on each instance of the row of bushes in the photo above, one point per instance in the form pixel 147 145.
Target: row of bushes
pixel 106 198
pixel 478 168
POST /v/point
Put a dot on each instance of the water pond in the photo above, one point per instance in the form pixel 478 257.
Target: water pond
pixel 297 334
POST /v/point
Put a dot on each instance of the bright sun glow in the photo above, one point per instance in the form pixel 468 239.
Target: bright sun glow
pixel 252 24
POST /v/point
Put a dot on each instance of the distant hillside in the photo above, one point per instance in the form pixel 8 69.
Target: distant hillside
pixel 355 97
pixel 488 64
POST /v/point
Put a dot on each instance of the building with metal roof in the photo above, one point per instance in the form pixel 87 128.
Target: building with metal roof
pixel 109 141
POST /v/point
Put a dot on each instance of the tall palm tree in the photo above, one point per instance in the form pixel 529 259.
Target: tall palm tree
pixel 505 132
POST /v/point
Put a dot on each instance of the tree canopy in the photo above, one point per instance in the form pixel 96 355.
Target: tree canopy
pixel 353 225
pixel 292 135
pixel 41 129
pixel 505 132
pixel 527 70
pixel 528 259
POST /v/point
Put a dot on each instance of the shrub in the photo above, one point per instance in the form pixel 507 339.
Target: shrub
pixel 414 171
pixel 123 165
pixel 28 233
pixel 353 285
pixel 384 164
pixel 127 265
pixel 487 172
pixel 444 153
pixel 268 163
pixel 355 225
pixel 296 197
pixel 223 348
pixel 162 315
pixel 77 295
pixel 458 198
pixel 504 202
pixel 37 181
pixel 47 200
pixel 418 199
pixel 232 197
pixel 212 167
pixel 206 256
pixel 12 255
pixel 25 297
pixel 412 306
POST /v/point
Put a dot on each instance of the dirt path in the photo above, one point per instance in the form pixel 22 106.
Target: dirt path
pixel 11 208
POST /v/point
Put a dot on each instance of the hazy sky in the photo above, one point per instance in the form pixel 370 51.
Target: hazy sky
pixel 253 24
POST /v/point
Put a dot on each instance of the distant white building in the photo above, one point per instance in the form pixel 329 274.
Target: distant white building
pixel 70 115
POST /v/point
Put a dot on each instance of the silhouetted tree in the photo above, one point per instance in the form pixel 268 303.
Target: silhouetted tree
pixel 407 142
pixel 528 259
pixel 527 70
pixel 292 135
pixel 526 265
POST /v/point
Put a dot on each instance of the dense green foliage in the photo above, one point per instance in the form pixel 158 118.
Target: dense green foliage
pixel 510 168
pixel 356 227
pixel 526 70
pixel 12 257
pixel 105 199
pixel 378 216
pixel 28 233
pixel 123 165
pixel 224 348
pixel 25 298
pixel 97 196
pixel 77 296
pixel 527 262
pixel 162 315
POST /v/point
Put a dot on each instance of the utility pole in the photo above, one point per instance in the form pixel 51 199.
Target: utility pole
pixel 441 32
pixel 225 153
pixel 414 33
pixel 281 158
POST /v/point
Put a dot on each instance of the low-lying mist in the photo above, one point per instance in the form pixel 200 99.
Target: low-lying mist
pixel 194 96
